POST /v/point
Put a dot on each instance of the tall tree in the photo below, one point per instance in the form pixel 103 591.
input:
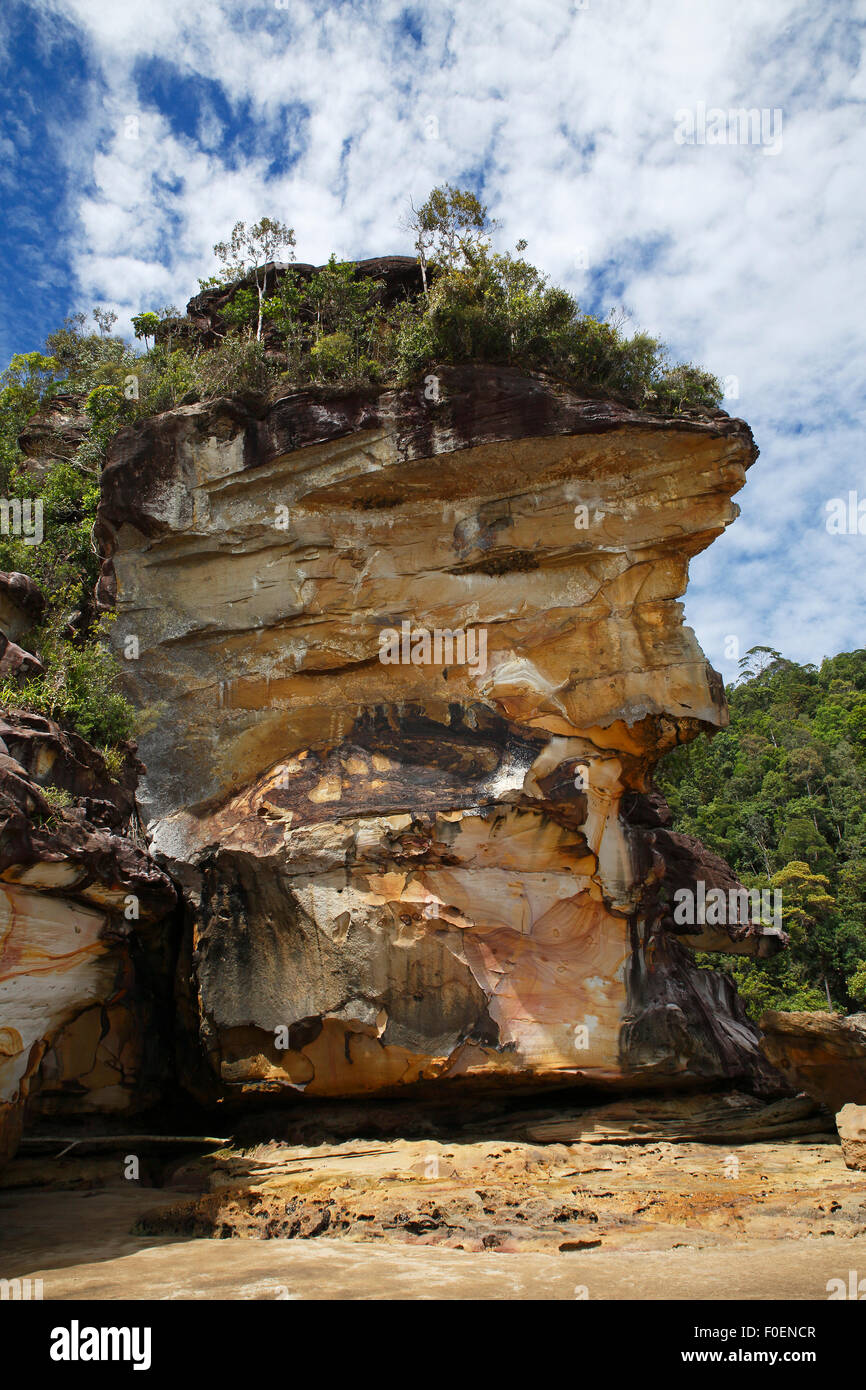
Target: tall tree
pixel 446 227
pixel 248 251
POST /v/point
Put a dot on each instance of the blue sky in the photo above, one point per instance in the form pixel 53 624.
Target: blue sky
pixel 134 133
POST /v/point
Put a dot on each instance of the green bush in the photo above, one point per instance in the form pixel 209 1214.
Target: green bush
pixel 79 689
pixel 499 308
pixel 87 360
pixel 114 761
pixel 762 985
pixel 79 686
pixel 333 356
pixel 477 305
pixel 66 559
pixel 165 377
pixel 857 984
pixel 57 797
pixel 237 364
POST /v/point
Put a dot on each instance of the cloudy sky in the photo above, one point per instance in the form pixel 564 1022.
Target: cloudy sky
pixel 136 132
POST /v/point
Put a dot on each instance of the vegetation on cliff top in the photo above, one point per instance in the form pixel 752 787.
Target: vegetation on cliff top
pixel 474 305
pixel 781 795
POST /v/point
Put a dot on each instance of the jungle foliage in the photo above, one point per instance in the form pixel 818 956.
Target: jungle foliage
pixel 781 795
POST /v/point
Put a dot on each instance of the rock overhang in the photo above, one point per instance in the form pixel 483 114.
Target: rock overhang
pixel 349 830
pixel 371 518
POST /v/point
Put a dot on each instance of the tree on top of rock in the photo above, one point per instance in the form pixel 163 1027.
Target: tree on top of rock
pixel 145 326
pixel 447 226
pixel 249 249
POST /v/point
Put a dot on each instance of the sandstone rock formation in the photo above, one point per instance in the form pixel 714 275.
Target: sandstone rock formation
pixel 726 1117
pixel 53 432
pixel 79 972
pixel 851 1124
pixel 22 604
pixel 822 1054
pixel 444 870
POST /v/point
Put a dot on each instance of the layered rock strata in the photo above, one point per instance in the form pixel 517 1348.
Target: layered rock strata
pixel 822 1054
pixel 80 963
pixel 406 662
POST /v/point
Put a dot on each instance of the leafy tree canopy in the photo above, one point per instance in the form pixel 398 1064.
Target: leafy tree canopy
pixel 781 794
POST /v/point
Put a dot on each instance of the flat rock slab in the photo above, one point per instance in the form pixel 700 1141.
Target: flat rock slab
pixel 285 1270
pixel 670 1223
pixel 730 1117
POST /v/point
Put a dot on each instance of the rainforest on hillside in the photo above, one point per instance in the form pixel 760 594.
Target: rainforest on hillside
pixel 781 795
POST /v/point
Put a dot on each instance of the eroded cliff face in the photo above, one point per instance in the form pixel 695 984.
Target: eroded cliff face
pixel 83 951
pixel 446 866
pixel 822 1054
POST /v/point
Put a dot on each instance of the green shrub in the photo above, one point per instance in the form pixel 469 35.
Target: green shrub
pixel 499 308
pixel 477 305
pixel 165 376
pixel 66 559
pixel 80 688
pixel 114 761
pixel 238 364
pixel 857 984
pixel 58 798
pixel 333 356
pixel 779 983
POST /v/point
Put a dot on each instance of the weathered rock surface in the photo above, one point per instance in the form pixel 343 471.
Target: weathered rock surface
pixel 22 604
pixel 77 900
pixel 672 1225
pixel 15 662
pixel 822 1054
pixel 442 1217
pixel 851 1124
pixel 53 432
pixel 728 1117
pixel 413 875
pixel 512 1196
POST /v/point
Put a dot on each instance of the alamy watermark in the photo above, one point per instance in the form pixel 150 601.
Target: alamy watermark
pixel 438 646
pixel 846 517
pixel 855 1288
pixel 20 1290
pixel 22 516
pixel 77 1343
pixel 716 908
pixel 715 126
